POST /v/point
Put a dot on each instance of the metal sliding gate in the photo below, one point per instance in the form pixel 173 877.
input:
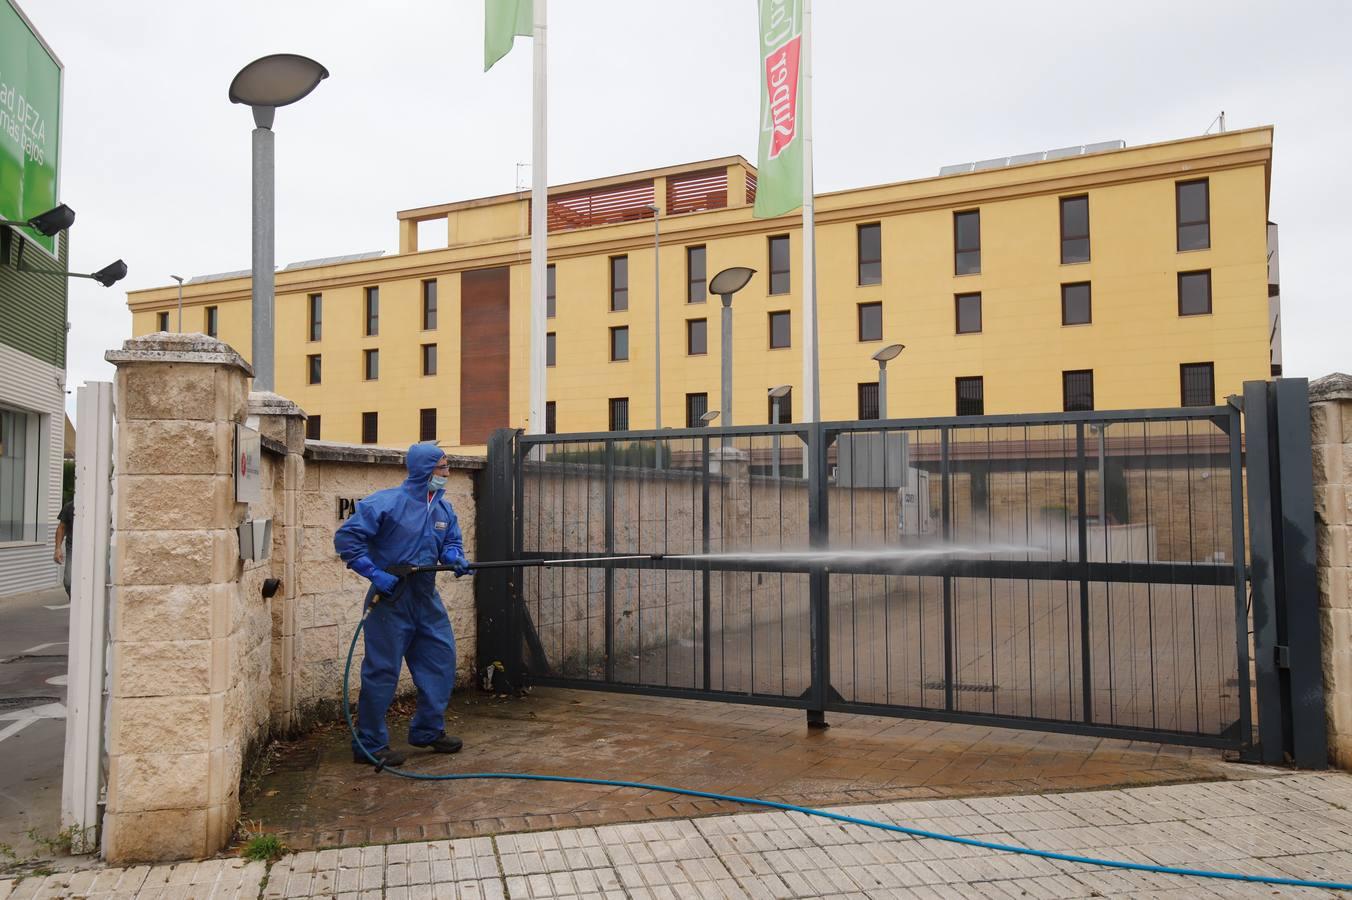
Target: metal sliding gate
pixel 1078 572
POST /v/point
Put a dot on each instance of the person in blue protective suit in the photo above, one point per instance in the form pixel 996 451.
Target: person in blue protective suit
pixel 412 524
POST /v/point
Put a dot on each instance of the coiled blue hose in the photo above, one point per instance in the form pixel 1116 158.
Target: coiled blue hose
pixel 808 811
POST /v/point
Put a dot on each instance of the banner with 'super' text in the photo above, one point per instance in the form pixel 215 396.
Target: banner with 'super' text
pixel 779 176
pixel 30 121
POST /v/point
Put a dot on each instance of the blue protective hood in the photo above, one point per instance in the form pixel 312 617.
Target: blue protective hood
pixel 422 459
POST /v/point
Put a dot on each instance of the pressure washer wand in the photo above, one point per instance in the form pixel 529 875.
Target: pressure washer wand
pixel 403 571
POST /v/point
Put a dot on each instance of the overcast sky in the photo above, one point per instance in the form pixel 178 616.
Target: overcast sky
pixel 156 159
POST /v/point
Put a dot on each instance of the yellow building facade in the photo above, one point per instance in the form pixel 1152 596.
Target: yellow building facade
pixel 1119 279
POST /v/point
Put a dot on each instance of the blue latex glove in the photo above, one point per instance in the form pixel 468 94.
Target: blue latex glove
pixel 455 558
pixel 385 583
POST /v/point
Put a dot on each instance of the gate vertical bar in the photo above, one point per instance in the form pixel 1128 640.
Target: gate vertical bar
pixel 1263 572
pixel 1235 433
pixel 705 605
pixel 610 551
pixel 818 503
pixel 1298 588
pixel 945 493
pixel 1082 531
pixel 498 535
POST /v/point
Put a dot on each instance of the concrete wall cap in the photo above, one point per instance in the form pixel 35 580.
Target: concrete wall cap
pixel 266 403
pixel 336 451
pixel 1331 387
pixel 165 347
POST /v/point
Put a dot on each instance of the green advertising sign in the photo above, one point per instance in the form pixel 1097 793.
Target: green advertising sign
pixel 30 123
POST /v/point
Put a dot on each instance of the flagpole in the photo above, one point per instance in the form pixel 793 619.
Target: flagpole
pixel 539 223
pixel 811 367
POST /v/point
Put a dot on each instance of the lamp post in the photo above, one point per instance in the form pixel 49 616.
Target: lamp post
pixel 883 356
pixel 777 394
pixel 263 85
pixel 179 279
pixel 725 284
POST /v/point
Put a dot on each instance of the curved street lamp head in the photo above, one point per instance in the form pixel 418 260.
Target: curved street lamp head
pixel 781 391
pixel 277 80
pixel 730 281
pixel 890 352
pixel 709 416
pixel 111 273
pixel 179 278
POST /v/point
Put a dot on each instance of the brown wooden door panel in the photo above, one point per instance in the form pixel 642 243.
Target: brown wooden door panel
pixel 485 352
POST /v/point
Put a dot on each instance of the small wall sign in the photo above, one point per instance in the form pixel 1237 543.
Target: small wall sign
pixel 248 465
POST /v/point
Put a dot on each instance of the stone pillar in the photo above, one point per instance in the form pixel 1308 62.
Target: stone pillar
pixel 174 731
pixel 282 424
pixel 1331 441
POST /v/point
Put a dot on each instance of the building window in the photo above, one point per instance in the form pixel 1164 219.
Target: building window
pixel 971 396
pixel 427 424
pixel 314 369
pixel 785 409
pixel 696 337
pixel 870 243
pixel 1194 293
pixel 1193 201
pixel 1076 304
pixel 1074 229
pixel 696 275
pixel 551 349
pixel 868 400
pixel 619 413
pixel 371 364
pixel 779 264
pixel 20 473
pixel 372 311
pixel 779 330
pixel 967 308
pixel 551 307
pixel 1198 384
pixel 162 321
pixel 429 359
pixel 429 300
pixel 967 242
pixel 316 316
pixel 619 343
pixel 696 405
pixel 312 428
pixel 1077 390
pixel 870 321
pixel 551 417
pixel 619 283
pixel 213 321
pixel 369 427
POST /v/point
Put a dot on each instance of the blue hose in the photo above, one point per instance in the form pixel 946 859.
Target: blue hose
pixel 809 811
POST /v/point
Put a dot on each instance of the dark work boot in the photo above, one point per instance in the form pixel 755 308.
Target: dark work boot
pixel 387 757
pixel 442 743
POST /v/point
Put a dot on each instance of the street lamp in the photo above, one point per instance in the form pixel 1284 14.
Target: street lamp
pixel 49 223
pixel 890 352
pixel 265 84
pixel 708 417
pixel 777 394
pixel 725 284
pixel 179 279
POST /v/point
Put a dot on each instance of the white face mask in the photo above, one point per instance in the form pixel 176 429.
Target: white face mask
pixel 436 482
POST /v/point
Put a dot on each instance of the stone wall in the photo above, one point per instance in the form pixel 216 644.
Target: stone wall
pixel 1331 442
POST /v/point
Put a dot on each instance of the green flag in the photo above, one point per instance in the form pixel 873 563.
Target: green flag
pixel 503 21
pixel 779 176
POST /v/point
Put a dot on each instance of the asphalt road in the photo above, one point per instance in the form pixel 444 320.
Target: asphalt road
pixel 33 632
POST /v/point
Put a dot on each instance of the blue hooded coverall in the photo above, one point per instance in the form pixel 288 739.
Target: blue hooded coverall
pixel 390 527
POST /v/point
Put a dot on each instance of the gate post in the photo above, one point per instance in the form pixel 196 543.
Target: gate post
pixel 499 631
pixel 818 508
pixel 1331 435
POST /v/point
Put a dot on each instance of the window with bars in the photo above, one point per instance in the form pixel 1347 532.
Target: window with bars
pixel 619 413
pixel 427 424
pixel 619 283
pixel 213 321
pixel 967 310
pixel 1076 304
pixel 313 428
pixel 316 315
pixel 971 393
pixel 1193 204
pixel 1074 229
pixel 696 275
pixel 429 359
pixel 619 343
pixel 551 417
pixel 372 311
pixel 551 305
pixel 429 304
pixel 785 409
pixel 1194 293
pixel 870 321
pixel 370 431
pixel 870 245
pixel 314 368
pixel 1198 383
pixel 779 330
pixel 551 349
pixel 696 405
pixel 868 400
pixel 696 337
pixel 1077 390
pixel 779 264
pixel 967 242
pixel 371 364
